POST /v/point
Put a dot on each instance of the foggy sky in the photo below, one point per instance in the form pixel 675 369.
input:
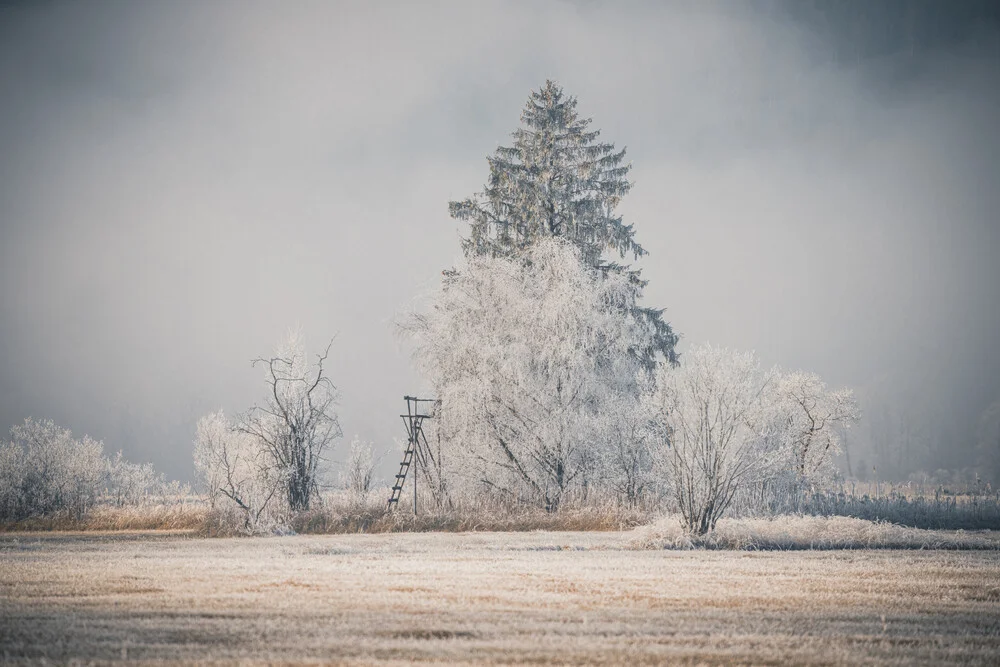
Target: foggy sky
pixel 180 182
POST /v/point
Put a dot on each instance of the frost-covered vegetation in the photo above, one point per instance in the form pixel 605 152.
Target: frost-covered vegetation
pixel 728 426
pixel 557 385
pixel 794 532
pixel 267 465
pixel 563 402
pixel 532 367
pixel 45 471
pixel 900 504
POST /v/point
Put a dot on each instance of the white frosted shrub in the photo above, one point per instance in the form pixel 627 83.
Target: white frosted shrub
pixel 45 470
pixel 720 430
pixel 735 435
pixel 131 484
pixel 238 475
pixel 360 470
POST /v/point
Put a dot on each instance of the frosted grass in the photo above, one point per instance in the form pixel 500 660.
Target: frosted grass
pixel 808 532
pixel 489 598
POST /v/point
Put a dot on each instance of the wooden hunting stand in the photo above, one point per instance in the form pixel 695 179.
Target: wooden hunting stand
pixel 417 453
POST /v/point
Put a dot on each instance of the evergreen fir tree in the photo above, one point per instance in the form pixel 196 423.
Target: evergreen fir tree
pixel 558 179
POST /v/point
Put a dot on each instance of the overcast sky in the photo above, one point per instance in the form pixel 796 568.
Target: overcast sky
pixel 180 182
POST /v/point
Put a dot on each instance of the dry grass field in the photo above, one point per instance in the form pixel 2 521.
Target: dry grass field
pixel 498 598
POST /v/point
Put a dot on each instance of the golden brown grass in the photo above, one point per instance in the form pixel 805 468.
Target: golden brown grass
pixel 345 519
pixel 108 518
pixel 498 598
pixel 336 514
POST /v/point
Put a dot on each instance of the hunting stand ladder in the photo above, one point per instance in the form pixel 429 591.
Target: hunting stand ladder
pixel 417 453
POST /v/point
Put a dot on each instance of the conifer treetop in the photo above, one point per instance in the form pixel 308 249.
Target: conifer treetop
pixel 557 180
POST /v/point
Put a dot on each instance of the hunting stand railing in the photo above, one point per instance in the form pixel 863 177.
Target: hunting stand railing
pixel 418 453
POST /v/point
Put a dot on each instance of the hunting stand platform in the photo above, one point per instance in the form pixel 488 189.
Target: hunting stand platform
pixel 418 453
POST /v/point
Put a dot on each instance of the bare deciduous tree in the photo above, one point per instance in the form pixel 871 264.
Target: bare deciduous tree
pixel 297 422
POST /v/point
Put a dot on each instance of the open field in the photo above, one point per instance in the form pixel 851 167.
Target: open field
pixel 491 597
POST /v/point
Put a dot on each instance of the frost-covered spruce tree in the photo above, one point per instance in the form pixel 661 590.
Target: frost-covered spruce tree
pixel 560 180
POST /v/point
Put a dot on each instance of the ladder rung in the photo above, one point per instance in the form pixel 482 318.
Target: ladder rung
pixel 400 476
pixel 397 488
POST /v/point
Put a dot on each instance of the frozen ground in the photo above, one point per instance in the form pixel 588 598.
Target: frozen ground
pixel 495 597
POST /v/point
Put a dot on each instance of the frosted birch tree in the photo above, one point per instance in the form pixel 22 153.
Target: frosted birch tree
pixel 525 353
pixel 816 417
